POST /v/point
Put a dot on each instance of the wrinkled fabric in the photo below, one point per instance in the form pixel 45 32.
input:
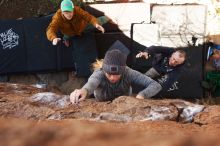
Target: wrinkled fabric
pixel 75 26
pixel 105 91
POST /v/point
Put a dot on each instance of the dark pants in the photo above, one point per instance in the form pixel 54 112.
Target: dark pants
pixel 84 49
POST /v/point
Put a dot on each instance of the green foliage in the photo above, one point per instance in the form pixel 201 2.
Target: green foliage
pixel 56 3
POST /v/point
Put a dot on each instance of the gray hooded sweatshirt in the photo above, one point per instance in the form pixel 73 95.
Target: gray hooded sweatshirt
pixel 103 90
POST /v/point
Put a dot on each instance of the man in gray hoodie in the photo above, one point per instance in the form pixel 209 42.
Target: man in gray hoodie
pixel 115 79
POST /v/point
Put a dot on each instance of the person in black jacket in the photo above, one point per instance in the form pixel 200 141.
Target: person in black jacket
pixel 167 61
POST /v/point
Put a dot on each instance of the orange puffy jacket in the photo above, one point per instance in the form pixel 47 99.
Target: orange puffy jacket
pixel 75 26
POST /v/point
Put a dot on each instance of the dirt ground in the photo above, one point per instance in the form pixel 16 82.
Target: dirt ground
pixel 26 118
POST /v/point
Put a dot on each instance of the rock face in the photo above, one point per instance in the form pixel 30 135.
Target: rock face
pixel 30 102
pixel 211 115
pixel 26 109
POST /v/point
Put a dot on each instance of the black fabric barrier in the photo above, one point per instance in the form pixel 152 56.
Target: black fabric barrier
pixel 41 53
pixel 120 46
pixel 13 55
pixel 107 40
pixel 84 53
pixel 25 48
pixel 109 27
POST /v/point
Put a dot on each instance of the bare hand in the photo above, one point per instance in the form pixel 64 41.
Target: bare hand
pixel 99 27
pixel 142 54
pixel 78 95
pixel 55 41
pixel 139 97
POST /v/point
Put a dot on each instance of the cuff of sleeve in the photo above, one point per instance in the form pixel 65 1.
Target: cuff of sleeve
pixel 94 22
pixel 88 91
pixel 51 39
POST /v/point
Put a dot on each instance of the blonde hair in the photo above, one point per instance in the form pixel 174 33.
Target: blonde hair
pixel 97 64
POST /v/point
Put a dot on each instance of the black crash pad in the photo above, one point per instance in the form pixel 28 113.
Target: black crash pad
pixel 25 48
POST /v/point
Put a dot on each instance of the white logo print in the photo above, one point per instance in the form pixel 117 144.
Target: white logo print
pixel 174 85
pixel 9 39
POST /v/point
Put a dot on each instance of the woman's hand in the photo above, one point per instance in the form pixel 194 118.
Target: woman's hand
pixel 78 95
pixel 139 97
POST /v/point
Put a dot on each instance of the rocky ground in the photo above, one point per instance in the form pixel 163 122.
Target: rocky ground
pixel 31 115
pixel 35 115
